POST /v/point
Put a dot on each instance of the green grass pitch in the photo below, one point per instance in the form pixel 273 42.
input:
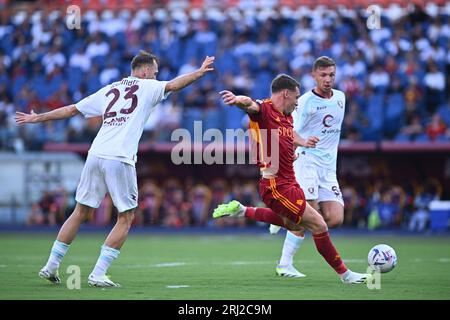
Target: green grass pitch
pixel 218 266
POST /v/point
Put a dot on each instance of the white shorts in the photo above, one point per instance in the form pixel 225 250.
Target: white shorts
pixel 318 183
pixel 104 175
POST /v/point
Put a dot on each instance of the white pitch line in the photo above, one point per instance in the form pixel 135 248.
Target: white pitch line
pixel 444 260
pixel 169 264
pixel 177 286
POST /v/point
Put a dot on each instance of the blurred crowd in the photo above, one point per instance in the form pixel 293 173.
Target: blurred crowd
pixel 176 204
pixel 172 203
pixel 396 78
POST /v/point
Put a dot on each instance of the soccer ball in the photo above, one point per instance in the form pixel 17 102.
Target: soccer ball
pixel 382 258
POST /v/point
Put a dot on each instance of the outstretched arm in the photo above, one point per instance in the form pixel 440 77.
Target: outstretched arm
pixel 243 102
pixel 307 143
pixel 60 113
pixel 186 79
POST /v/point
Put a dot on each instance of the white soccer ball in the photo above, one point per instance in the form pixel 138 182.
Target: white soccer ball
pixel 382 258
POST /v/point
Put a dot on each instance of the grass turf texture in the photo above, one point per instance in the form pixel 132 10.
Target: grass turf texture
pixel 234 267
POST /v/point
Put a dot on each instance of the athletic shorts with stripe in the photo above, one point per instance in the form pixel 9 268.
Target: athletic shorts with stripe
pixel 284 197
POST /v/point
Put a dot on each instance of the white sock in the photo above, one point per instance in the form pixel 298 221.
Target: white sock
pixel 345 274
pixel 242 209
pixel 291 245
pixel 107 256
pixel 57 253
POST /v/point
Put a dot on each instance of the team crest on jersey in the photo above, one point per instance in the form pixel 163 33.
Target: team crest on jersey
pixel 341 104
pixel 311 190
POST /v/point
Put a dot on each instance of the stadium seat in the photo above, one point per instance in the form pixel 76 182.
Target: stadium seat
pixel 401 137
pixel 375 111
pixel 394 114
pixel 422 138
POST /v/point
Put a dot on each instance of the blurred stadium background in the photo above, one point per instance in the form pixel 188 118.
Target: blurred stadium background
pixel 394 161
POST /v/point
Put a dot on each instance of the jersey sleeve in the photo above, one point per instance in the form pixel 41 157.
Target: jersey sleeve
pixel 261 113
pixel 300 115
pixel 92 106
pixel 344 98
pixel 155 90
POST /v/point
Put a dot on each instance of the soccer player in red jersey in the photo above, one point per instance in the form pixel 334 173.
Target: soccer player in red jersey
pixel 272 130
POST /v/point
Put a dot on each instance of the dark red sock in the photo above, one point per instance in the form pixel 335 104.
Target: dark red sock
pixel 329 252
pixel 264 215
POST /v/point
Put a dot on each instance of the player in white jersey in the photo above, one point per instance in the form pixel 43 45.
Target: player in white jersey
pixel 110 166
pixel 317 122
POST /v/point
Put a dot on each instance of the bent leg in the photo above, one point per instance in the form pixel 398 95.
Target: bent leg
pixel 70 228
pixel 111 250
pixel 119 233
pixel 293 241
pixel 61 245
pixel 266 215
pixel 332 212
pixel 314 222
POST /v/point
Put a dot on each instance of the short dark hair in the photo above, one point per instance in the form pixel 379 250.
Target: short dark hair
pixel 283 81
pixel 323 62
pixel 142 58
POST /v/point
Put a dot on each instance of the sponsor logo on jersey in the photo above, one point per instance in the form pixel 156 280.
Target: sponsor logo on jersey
pixel 340 104
pixel 116 121
pixel 328 121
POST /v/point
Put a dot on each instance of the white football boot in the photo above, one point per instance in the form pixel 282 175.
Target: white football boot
pixel 52 277
pixel 288 271
pixel 354 277
pixel 102 281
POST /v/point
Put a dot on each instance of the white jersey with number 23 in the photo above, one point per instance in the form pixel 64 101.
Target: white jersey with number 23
pixel 125 106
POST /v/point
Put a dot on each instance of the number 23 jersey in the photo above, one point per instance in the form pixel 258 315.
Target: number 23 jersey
pixel 125 107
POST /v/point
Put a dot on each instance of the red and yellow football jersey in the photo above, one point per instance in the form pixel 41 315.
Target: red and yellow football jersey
pixel 272 141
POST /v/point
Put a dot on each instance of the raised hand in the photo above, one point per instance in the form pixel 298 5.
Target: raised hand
pixel 228 97
pixel 207 65
pixel 22 118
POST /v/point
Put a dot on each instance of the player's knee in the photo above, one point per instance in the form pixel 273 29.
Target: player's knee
pixel 82 212
pixel 299 233
pixel 291 226
pixel 126 218
pixel 335 222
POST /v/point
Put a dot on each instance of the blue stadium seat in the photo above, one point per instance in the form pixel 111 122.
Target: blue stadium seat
pixel 75 77
pixel 394 114
pixel 422 138
pixel 401 137
pixel 443 138
pixel 375 111
pixel 189 116
pixel 18 84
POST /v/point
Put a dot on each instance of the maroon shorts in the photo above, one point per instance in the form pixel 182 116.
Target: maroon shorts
pixel 284 197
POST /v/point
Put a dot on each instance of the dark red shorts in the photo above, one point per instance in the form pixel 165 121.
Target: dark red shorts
pixel 284 197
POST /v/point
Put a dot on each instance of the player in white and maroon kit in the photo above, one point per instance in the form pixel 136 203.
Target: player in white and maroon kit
pixel 318 120
pixel 110 166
